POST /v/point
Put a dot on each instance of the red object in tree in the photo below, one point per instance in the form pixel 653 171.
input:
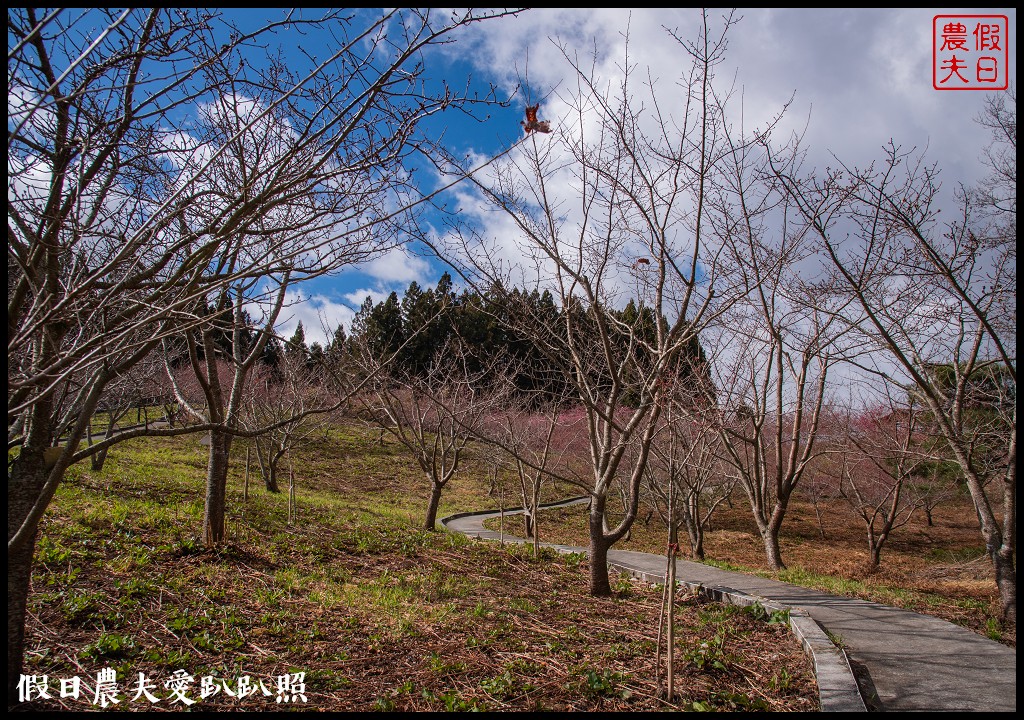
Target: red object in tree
pixel 532 124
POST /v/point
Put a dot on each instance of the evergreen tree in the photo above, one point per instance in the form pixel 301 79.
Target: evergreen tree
pixel 317 356
pixel 337 348
pixel 445 291
pixel 296 346
pixel 426 327
pixel 362 317
pixel 383 331
pixel 271 356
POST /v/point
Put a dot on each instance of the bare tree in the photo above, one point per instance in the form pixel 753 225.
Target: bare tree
pixel 768 425
pixel 138 388
pixel 881 456
pixel 772 361
pixel 222 376
pixel 612 204
pixel 932 486
pixel 819 487
pixel 285 393
pixel 686 482
pixel 125 221
pixel 435 417
pixel 535 441
pixel 938 302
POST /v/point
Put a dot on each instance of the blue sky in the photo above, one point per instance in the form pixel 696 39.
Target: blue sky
pixel 858 78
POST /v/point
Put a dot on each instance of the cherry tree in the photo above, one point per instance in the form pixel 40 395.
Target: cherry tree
pixel 434 416
pixel 881 457
pixel 614 204
pixel 687 481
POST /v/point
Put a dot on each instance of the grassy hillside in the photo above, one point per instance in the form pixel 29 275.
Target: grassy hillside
pixel 377 613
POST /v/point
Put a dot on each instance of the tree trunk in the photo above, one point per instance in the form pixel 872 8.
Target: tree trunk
pixel 876 555
pixel 270 478
pixel 216 488
pixel 670 642
pixel 1006 581
pixel 878 542
pixel 100 458
pixel 19 573
pixel 773 553
pixel 821 526
pixel 435 500
pixel 698 545
pixel 528 522
pixel 694 531
pixel 599 583
pixel 25 483
pixel 536 537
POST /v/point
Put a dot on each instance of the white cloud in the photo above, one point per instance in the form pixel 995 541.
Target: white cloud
pixel 858 78
pixel 398 266
pixel 863 75
pixel 319 315
pixel 356 297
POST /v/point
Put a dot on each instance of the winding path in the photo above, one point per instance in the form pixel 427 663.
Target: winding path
pixel 902 661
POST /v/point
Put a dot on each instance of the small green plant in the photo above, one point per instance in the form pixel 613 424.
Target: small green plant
pixel 383 704
pixel 168 658
pixel 779 617
pixel 136 588
pixel 63 579
pixel 572 632
pixel 49 552
pixel 757 611
pixel 994 629
pixel 182 623
pixel 501 686
pixel 605 683
pixel 729 701
pixel 522 604
pixel 524 666
pixel 709 655
pixel 781 681
pixel 441 667
pixel 575 559
pixel 187 545
pixel 110 646
pixel 78 606
pixel 772 617
pixel 325 679
pixel 453 701
pixel 623 584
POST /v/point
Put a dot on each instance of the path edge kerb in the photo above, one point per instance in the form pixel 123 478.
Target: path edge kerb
pixel 837 686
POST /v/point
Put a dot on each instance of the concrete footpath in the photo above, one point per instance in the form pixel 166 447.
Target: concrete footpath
pixel 895 660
